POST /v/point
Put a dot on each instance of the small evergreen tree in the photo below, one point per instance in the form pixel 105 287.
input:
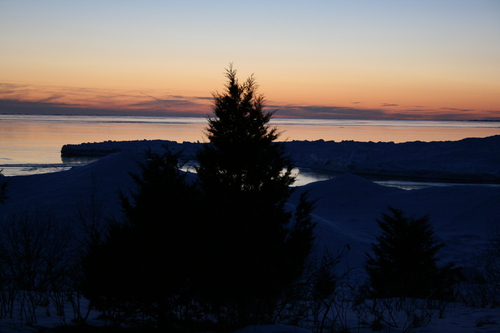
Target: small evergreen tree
pixel 245 177
pixel 144 265
pixel 404 262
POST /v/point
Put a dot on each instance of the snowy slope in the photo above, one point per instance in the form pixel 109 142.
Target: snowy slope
pixel 346 209
pixel 65 194
pixel 348 206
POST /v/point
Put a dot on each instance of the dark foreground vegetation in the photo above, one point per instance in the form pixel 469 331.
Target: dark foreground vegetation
pixel 221 251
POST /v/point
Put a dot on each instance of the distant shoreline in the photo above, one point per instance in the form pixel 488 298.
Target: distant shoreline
pixel 469 160
pixel 204 117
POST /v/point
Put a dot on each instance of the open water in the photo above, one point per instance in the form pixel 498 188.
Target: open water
pixel 31 144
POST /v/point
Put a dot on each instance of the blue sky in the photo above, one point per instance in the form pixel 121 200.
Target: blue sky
pixel 315 59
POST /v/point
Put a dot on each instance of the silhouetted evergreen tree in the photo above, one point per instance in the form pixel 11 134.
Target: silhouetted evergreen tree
pixel 225 243
pixel 245 177
pixel 404 262
pixel 145 264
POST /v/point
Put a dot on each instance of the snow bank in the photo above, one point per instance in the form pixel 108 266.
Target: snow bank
pixel 467 159
pixel 63 194
pixel 346 210
pixel 347 206
pixel 108 147
pixel 472 159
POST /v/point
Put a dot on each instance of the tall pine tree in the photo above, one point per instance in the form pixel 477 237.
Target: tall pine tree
pixel 225 243
pixel 245 177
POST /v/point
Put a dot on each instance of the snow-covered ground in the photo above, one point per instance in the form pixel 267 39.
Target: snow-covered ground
pixel 346 210
pixel 472 159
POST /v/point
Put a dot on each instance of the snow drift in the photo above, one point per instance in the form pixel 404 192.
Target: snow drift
pixel 347 206
pixel 472 159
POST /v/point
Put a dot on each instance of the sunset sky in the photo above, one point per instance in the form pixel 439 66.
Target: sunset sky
pixel 427 59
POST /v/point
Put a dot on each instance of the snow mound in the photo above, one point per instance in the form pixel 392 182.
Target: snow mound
pixel 348 206
pixel 467 159
pixel 346 211
pixel 188 149
pixel 64 193
pixel 472 159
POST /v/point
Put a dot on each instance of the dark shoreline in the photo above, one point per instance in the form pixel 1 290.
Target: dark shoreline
pixel 470 161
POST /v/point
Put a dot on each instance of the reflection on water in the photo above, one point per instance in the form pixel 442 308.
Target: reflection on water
pixel 303 176
pixel 308 175
pixel 32 144
pixel 31 169
pixel 36 168
pixel 384 130
pixel 78 160
pixel 39 139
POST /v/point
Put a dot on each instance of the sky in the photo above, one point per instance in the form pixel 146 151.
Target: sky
pixel 358 59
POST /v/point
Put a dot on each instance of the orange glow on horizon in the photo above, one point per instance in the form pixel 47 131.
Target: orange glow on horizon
pixel 405 60
pixel 315 105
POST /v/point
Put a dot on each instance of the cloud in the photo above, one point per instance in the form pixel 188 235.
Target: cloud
pixel 37 99
pixel 27 107
pixel 164 104
pixel 401 113
pixel 34 99
pixel 51 98
pixel 328 112
pixel 459 110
